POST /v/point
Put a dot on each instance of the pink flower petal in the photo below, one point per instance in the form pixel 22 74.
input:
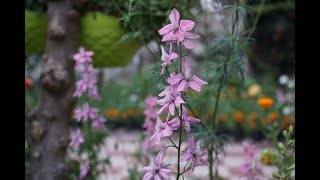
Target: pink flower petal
pixel 161 101
pixel 165 29
pixel 194 163
pixel 204 162
pixel 192 119
pixel 148 176
pixel 159 158
pixel 187 126
pixel 188 44
pixel 191 35
pixel 178 101
pixel 194 86
pixel 198 81
pixel 186 157
pixel 179 35
pixel 169 37
pixel 183 86
pixel 186 25
pixel 157 177
pixel 191 144
pixel 174 17
pixel 174 79
pixel 171 108
pixel 163 108
pixel 167 131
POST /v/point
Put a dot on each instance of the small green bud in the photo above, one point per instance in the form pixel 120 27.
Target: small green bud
pixel 290 129
pixel 281 147
pixel 275 175
pixel 290 142
pixel 285 133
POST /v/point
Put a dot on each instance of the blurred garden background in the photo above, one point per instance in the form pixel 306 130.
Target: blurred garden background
pixel 256 98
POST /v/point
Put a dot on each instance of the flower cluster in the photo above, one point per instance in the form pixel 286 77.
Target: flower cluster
pixel 150 121
pixel 173 97
pixel 250 168
pixel 87 85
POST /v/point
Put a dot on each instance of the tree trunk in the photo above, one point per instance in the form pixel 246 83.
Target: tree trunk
pixel 49 121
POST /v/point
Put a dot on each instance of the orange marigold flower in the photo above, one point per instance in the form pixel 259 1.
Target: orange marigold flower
pixel 266 159
pixel 238 117
pixel 264 121
pixel 286 121
pixel 253 116
pixel 273 116
pixel 130 112
pixel 112 113
pixel 252 124
pixel 222 118
pixel 265 103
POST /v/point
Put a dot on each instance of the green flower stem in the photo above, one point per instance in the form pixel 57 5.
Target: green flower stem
pixel 180 116
pixel 221 83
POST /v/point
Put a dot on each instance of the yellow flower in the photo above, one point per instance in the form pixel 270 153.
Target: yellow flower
pixel 265 103
pixel 238 117
pixel 254 90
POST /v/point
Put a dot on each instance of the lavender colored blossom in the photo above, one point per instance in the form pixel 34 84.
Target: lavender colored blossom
pixel 195 154
pixel 86 112
pixel 76 139
pixel 156 171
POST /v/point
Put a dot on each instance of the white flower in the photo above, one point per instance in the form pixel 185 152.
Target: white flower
pixel 207 5
pixel 286 110
pixel 283 79
pixel 133 98
pixel 291 84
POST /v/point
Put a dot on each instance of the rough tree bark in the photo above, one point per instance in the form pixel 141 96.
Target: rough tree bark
pixel 49 120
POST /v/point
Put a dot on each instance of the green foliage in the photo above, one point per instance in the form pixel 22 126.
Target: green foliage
pixel 101 34
pixel 35 32
pixel 286 160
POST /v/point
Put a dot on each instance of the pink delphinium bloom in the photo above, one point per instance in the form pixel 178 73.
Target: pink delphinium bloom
pixel 156 171
pixel 76 139
pixel 188 80
pixel 162 130
pixel 167 58
pixel 83 56
pixel 250 168
pixel 84 169
pixel 149 124
pixel 175 31
pixel 187 43
pixel 88 81
pixel 250 151
pixel 99 123
pixel 150 107
pixel 171 100
pixel 94 94
pixel 86 112
pixel 175 122
pixel 195 154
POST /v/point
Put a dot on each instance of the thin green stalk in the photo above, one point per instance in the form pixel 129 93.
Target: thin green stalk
pixel 180 116
pixel 221 82
pixel 210 159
